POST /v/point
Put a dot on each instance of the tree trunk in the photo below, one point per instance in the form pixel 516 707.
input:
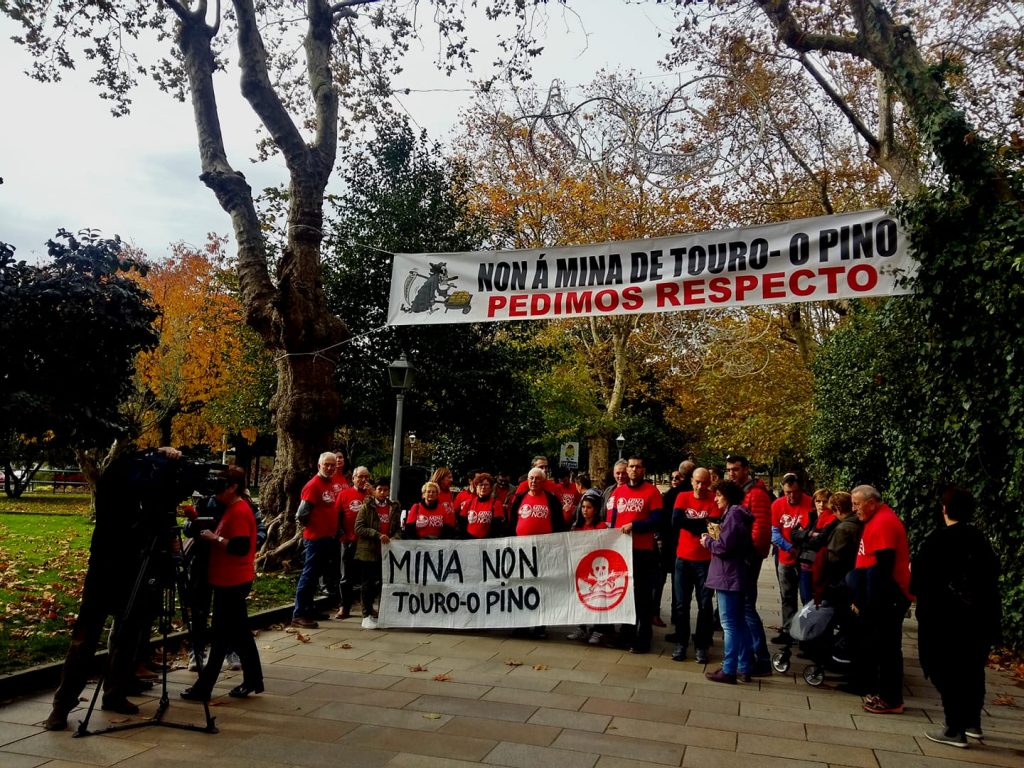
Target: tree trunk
pixel 598 463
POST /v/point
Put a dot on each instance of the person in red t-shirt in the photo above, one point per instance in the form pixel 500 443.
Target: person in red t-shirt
pixel 350 501
pixel 443 478
pixel 231 573
pixel 693 511
pixel 467 494
pixel 377 523
pixel 318 514
pixel 428 519
pixel 541 463
pixel 568 493
pixel 793 509
pixel 635 509
pixel 483 517
pixel 536 512
pixel 881 595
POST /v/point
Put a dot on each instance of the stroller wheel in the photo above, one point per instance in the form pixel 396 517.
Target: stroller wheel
pixel 814 675
pixel 780 662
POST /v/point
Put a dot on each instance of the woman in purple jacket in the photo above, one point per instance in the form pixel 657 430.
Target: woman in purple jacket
pixel 729 574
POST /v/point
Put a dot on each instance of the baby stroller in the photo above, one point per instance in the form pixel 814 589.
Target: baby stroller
pixel 820 638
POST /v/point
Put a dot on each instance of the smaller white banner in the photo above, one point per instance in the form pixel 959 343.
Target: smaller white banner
pixel 570 455
pixel 526 581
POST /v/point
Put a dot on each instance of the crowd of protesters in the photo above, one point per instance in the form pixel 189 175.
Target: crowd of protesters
pixel 708 535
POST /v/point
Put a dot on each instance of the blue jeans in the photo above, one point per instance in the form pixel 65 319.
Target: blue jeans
pixel 689 578
pixel 316 556
pixel 737 654
pixel 759 643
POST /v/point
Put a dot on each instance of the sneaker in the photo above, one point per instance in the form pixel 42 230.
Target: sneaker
pixel 596 638
pixel 783 638
pixel 947 737
pixel 193 664
pixel 974 732
pixel 300 621
pixel 679 654
pixel 369 622
pixel 701 656
pixel 232 662
pixel 879 706
pixel 657 621
pixel 579 635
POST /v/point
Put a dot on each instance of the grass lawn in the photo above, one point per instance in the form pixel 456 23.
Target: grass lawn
pixel 44 552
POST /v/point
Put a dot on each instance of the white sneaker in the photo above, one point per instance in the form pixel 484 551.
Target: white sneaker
pixel 232 662
pixel 580 635
pixel 193 663
pixel 369 622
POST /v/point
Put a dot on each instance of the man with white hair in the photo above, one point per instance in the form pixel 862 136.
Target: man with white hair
pixel 318 514
pixel 881 595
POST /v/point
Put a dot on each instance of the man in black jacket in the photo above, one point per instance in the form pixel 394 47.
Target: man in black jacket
pixel 956 580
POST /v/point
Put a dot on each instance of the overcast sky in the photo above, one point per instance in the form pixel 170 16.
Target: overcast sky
pixel 66 162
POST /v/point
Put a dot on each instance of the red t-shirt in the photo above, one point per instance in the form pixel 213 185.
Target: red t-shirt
pixel 323 495
pixel 463 498
pixel 549 485
pixel 785 516
pixel 429 522
pixel 885 531
pixel 350 501
pixel 570 498
pixel 227 570
pixel 480 514
pixel 383 517
pixel 446 500
pixel 598 526
pixel 534 515
pixel 628 505
pixel 689 547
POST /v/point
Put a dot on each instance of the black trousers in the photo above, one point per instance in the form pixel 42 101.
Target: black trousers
pixel 230 630
pixel 370 578
pixel 960 679
pixel 883 652
pixel 644 565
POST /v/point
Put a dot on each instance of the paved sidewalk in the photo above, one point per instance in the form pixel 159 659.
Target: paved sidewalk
pixel 403 699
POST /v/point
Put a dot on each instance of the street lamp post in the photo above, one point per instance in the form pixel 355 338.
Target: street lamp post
pixel 621 442
pixel 412 446
pixel 402 374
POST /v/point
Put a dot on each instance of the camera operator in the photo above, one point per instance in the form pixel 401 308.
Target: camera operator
pixel 207 514
pixel 231 572
pixel 134 516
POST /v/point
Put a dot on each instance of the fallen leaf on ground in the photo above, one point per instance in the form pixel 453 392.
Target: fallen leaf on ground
pixel 345 646
pixel 1005 700
pixel 301 637
pixel 417 668
pixel 513 663
pixel 432 715
pixel 442 678
pixel 278 627
pixel 540 667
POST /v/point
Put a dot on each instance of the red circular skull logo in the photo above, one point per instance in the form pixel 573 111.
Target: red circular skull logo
pixel 602 579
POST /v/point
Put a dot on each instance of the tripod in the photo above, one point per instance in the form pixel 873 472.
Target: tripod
pixel 167 574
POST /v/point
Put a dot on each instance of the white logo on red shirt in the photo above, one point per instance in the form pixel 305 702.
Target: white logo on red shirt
pixel 539 511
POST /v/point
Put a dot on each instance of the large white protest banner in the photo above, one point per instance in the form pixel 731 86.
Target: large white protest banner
pixel 526 581
pixel 850 255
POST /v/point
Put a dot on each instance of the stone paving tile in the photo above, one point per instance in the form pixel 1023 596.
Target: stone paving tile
pixel 893 742
pixel 411 720
pixel 11 760
pixel 747 693
pixel 700 757
pixel 296 752
pixel 651 712
pixel 534 684
pixel 403 671
pixel 11 732
pixel 953 759
pixel 799 749
pixel 405 760
pixel 794 714
pixel 492 710
pixel 610 668
pixel 889 724
pixel 418 742
pixel 501 730
pixel 674 734
pixel 331 662
pixel 607 761
pixel 521 696
pixel 93 750
pixel 563 718
pixel 588 689
pixel 354 679
pixel 431 687
pixel 558 673
pixel 751 725
pixel 987 754
pixel 528 756
pixel 645 683
pixel 403 659
pixel 371 696
pixel 685 701
pixel 26 711
pixel 620 746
